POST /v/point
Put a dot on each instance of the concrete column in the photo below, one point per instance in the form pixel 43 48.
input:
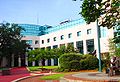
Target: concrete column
pixel 46 62
pixel 4 62
pixel 52 62
pixel 26 59
pixel 58 45
pixel 84 46
pixel 19 61
pixel 75 44
pixel 40 63
pixel 33 63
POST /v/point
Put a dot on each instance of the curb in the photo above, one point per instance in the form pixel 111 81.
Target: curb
pixel 19 79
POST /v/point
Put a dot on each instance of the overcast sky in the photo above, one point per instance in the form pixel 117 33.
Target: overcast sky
pixel 50 12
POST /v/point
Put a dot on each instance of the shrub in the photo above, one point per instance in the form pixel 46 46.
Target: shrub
pixel 105 63
pixel 89 62
pixel 75 64
pixel 70 61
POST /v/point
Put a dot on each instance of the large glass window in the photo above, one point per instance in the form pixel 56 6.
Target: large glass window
pixel 79 45
pixel 79 33
pixel 62 37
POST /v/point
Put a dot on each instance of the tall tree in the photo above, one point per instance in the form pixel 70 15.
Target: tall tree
pixel 10 41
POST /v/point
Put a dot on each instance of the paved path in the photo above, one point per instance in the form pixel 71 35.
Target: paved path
pixel 91 77
pixel 79 77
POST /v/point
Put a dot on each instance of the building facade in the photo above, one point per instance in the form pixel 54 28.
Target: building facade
pixel 83 36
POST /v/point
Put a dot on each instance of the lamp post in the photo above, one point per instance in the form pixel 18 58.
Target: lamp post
pixel 98 41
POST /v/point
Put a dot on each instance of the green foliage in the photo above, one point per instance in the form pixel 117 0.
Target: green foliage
pixel 105 63
pixel 34 68
pixel 89 10
pixel 10 41
pixel 89 62
pixel 70 48
pixel 117 52
pixel 39 54
pixel 116 38
pixel 75 62
pixel 107 11
pixel 70 60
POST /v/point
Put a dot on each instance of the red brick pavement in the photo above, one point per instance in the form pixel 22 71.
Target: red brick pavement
pixel 15 74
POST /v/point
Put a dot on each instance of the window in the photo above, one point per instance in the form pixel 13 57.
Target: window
pixel 79 33
pixel 36 42
pixel 70 35
pixel 62 37
pixel 54 38
pixel 29 42
pixel 103 31
pixel 42 41
pixel 48 40
pixel 88 31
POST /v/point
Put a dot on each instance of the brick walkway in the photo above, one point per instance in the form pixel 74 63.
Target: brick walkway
pixel 15 74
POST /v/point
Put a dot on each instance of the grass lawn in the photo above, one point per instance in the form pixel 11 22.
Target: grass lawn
pixel 35 68
pixel 52 77
pixel 56 76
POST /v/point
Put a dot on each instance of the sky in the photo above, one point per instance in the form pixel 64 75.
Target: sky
pixel 42 12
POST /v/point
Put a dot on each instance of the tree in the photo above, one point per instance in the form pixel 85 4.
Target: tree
pixel 116 38
pixel 107 11
pixel 10 41
pixel 40 54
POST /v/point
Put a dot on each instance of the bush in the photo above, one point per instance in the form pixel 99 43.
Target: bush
pixel 70 61
pixel 75 64
pixel 89 62
pixel 105 63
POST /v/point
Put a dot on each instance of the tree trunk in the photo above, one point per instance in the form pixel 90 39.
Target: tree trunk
pixel 1 61
pixel 8 62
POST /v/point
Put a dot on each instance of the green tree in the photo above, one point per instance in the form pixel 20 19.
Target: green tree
pixel 10 41
pixel 116 38
pixel 108 12
pixel 40 54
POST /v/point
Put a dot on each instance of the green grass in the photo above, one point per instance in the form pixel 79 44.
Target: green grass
pixel 35 68
pixel 52 77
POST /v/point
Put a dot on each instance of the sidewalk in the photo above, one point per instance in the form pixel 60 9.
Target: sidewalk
pixel 91 77
pixel 15 74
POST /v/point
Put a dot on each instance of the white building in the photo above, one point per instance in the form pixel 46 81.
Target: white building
pixel 82 36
